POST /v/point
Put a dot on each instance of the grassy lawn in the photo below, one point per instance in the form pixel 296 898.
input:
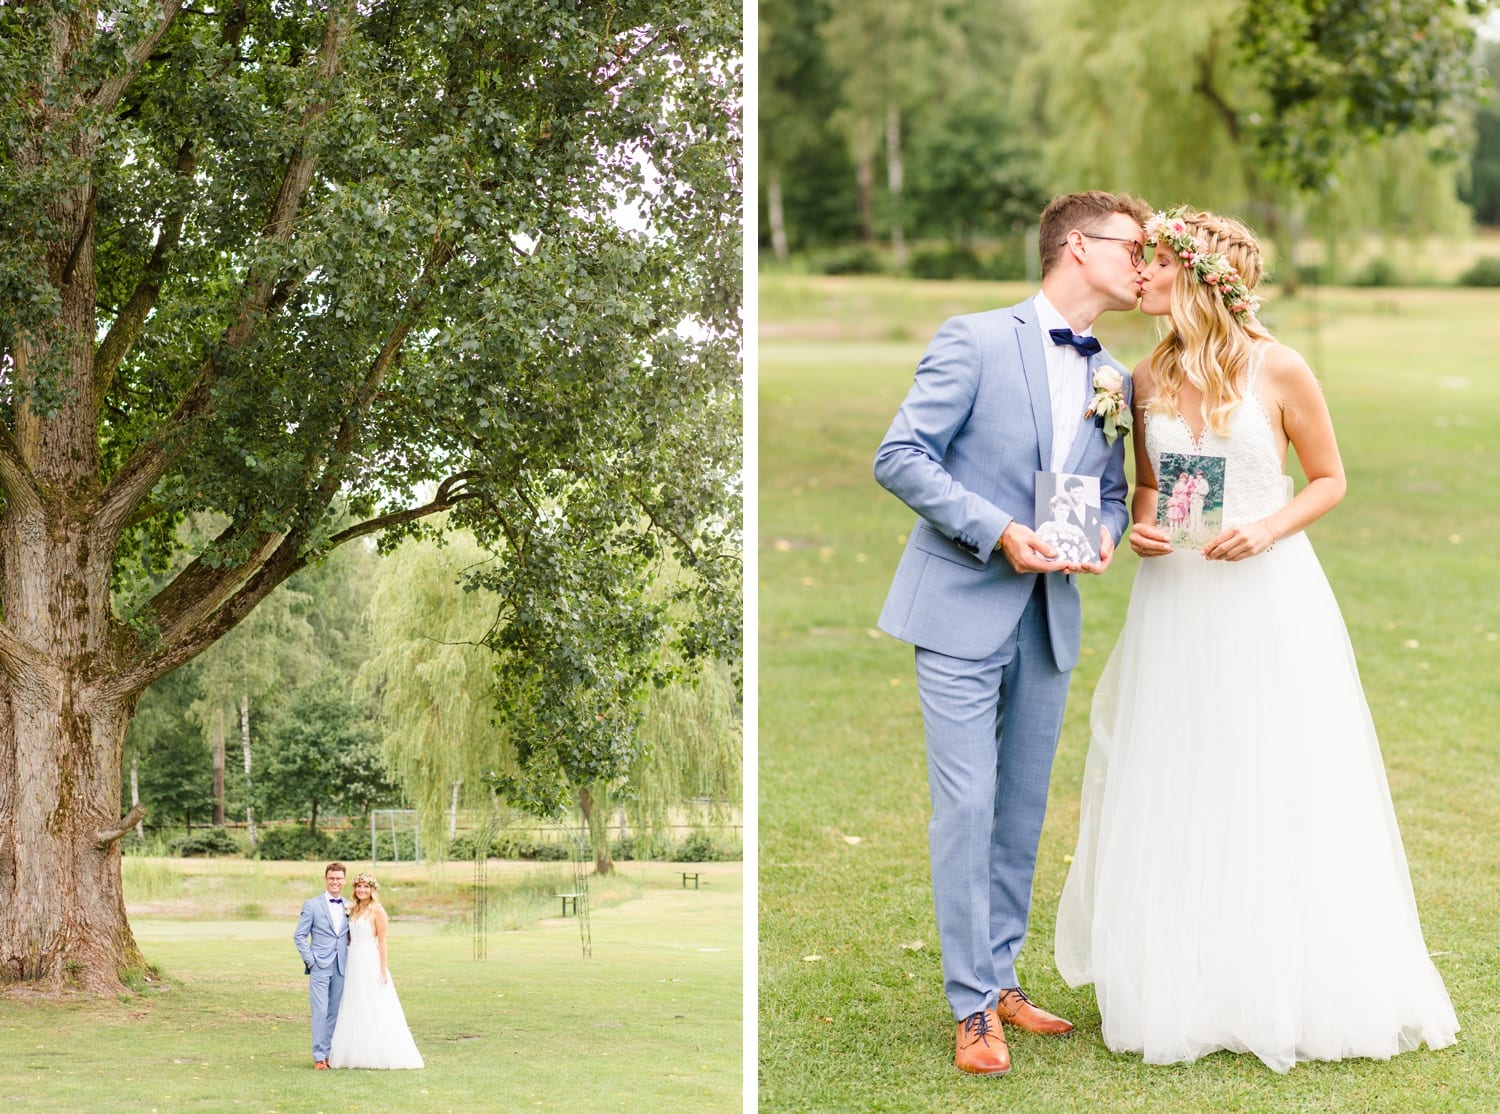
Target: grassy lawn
pixel 852 1016
pixel 652 1021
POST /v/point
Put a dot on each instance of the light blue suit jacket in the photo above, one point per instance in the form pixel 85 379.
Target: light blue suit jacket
pixel 315 938
pixel 963 452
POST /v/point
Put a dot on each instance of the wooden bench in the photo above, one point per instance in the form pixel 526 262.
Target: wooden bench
pixel 686 874
pixel 569 901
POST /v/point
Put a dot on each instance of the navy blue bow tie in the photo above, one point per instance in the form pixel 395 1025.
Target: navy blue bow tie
pixel 1086 346
pixel 336 900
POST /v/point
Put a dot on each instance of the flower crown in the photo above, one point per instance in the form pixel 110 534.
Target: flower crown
pixel 367 879
pixel 1207 267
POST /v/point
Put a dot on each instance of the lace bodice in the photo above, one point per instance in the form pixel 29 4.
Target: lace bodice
pixel 1254 484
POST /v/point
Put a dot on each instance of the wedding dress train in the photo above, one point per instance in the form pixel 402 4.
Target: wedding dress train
pixel 1239 881
pixel 371 1030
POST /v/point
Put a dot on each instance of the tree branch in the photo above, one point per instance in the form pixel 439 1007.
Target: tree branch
pixel 1205 86
pixel 103 839
pixel 203 620
pixel 20 661
pixel 450 493
pixel 199 590
pixel 107 95
pixel 127 327
pixel 20 486
pixel 153 458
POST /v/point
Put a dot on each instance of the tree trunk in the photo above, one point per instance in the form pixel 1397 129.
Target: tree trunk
pixel 135 793
pixel 62 905
pixel 218 746
pixel 245 746
pixel 594 821
pixel 776 213
pixel 865 178
pixel 453 813
pixel 893 177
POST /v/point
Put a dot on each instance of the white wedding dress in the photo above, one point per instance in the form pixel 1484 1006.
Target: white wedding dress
pixel 1239 881
pixel 371 1030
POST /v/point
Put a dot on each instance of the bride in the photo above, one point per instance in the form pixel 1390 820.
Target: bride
pixel 1239 881
pixel 371 1031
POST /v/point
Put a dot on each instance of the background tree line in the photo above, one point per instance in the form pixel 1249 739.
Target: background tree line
pixel 924 137
pixel 364 682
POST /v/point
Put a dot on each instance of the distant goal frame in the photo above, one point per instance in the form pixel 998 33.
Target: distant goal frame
pixel 395 821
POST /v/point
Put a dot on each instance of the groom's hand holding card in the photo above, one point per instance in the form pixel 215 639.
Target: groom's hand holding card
pixel 1069 522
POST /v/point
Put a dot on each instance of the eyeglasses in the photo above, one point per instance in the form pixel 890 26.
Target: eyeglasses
pixel 1137 253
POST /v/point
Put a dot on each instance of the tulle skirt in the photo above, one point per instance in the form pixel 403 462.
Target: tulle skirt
pixel 371 1029
pixel 1239 881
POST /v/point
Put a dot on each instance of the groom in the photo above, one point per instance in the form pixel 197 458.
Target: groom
pixel 996 622
pixel 322 937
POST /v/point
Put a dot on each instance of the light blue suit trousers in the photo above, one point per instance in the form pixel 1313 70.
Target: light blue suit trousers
pixel 995 648
pixel 323 952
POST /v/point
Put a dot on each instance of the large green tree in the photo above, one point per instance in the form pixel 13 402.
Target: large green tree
pixel 283 262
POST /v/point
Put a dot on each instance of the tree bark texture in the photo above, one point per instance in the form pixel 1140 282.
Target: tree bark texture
pixel 62 907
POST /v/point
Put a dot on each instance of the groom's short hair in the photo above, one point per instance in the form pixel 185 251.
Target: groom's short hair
pixel 331 867
pixel 1086 212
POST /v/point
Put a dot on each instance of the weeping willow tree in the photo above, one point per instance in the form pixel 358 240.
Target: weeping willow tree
pixel 433 678
pixel 695 749
pixel 1290 113
pixel 451 746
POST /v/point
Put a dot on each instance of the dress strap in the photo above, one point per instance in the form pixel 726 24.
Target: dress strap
pixel 1252 372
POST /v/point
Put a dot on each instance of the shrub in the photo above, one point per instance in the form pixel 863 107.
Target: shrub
pixel 640 849
pixel 294 843
pixel 952 262
pixel 354 844
pixel 1486 272
pixel 461 847
pixel 205 841
pixel 848 261
pixel 701 847
pixel 1377 272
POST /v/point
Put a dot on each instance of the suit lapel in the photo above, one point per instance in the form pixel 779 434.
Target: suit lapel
pixel 1034 368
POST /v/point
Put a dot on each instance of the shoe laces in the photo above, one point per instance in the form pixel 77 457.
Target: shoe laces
pixel 1015 993
pixel 977 1027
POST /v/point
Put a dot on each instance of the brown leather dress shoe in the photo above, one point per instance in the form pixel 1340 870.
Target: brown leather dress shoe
pixel 980 1047
pixel 1014 1008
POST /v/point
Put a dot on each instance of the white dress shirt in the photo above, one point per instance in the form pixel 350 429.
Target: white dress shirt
pixel 1067 381
pixel 336 913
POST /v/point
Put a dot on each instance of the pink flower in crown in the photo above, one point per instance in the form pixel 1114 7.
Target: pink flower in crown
pixel 1211 278
pixel 1178 227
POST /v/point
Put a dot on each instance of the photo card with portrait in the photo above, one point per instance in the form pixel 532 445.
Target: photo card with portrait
pixel 1067 515
pixel 1190 498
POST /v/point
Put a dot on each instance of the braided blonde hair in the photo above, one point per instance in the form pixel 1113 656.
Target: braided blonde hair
pixel 1207 345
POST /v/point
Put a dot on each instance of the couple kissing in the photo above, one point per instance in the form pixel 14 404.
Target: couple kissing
pixel 1239 880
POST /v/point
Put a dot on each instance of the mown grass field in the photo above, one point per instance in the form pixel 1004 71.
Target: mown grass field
pixel 651 1021
pixel 852 1016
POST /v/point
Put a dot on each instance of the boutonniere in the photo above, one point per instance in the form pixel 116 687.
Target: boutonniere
pixel 1108 404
